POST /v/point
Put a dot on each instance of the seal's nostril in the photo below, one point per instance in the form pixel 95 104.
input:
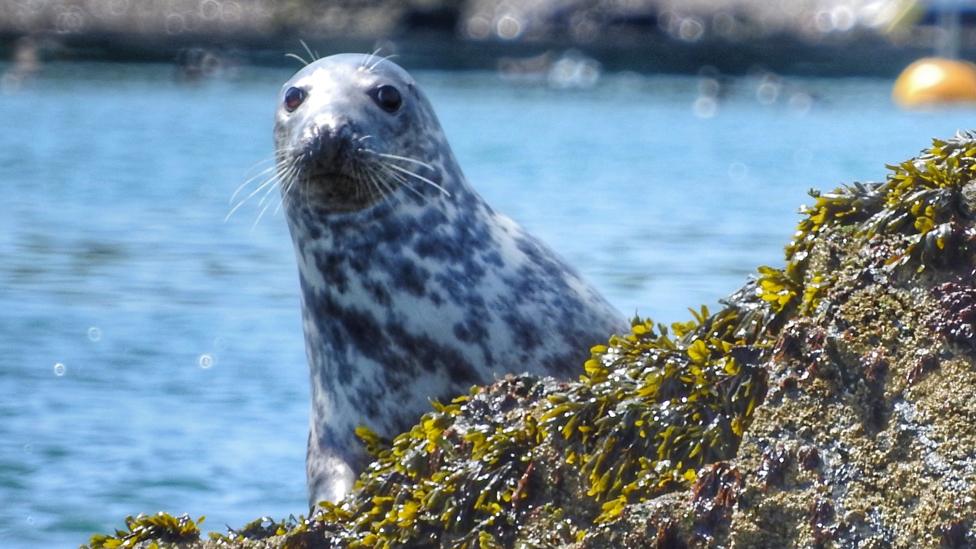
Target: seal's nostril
pixel 328 144
pixel 336 135
pixel 341 132
pixel 324 147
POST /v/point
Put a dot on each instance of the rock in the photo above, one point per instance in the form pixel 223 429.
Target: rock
pixel 831 402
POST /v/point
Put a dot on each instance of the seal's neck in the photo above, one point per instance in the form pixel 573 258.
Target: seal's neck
pixel 361 272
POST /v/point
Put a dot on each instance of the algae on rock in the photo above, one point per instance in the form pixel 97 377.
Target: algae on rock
pixel 831 402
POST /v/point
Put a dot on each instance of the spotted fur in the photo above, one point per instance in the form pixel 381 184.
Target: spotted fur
pixel 411 293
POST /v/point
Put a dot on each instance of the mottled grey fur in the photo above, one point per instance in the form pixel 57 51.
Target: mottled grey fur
pixel 409 291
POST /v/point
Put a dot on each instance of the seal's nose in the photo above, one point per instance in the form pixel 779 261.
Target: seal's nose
pixel 329 142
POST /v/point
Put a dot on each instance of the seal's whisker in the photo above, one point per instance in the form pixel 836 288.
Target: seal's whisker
pixel 289 178
pixel 267 193
pixel 405 159
pixel 269 179
pixel 375 189
pixel 286 191
pixel 305 184
pixel 371 188
pixel 298 57
pixel 285 176
pixel 368 189
pixel 419 177
pixel 363 138
pixel 269 182
pixel 262 173
pixel 248 180
pixel 260 215
pixel 360 187
pixel 291 175
pixel 357 192
pixel 286 194
pixel 370 174
pixel 285 181
pixel 379 177
pixel 271 158
pixel 279 177
pixel 378 180
pixel 281 202
pixel 311 56
pixel 371 56
pixel 388 57
pixel 404 183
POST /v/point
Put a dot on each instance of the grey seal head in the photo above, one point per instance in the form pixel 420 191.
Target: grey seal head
pixel 413 288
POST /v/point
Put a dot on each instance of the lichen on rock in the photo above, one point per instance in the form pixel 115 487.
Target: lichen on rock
pixel 828 403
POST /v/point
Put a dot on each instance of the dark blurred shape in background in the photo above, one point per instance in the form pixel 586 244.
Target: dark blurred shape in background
pixel 528 37
pixel 25 63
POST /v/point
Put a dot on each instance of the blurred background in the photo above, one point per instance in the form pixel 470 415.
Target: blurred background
pixel 151 354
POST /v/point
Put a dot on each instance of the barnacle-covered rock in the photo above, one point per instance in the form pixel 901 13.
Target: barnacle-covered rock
pixel 830 402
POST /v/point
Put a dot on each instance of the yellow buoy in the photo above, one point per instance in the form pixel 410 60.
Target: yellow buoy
pixel 935 81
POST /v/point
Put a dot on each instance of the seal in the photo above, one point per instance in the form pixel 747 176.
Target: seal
pixel 412 287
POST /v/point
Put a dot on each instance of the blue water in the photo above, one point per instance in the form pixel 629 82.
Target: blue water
pixel 151 355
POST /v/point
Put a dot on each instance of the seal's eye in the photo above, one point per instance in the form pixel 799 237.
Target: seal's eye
pixel 387 97
pixel 294 98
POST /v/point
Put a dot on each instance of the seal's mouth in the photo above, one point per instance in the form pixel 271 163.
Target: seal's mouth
pixel 335 190
pixel 354 177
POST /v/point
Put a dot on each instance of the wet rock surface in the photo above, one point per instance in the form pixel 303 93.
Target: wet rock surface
pixel 829 403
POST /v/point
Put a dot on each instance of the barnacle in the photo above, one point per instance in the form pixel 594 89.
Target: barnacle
pixel 955 319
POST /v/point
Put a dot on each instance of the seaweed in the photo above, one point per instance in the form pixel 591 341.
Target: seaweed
pixel 651 410
pixel 161 527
